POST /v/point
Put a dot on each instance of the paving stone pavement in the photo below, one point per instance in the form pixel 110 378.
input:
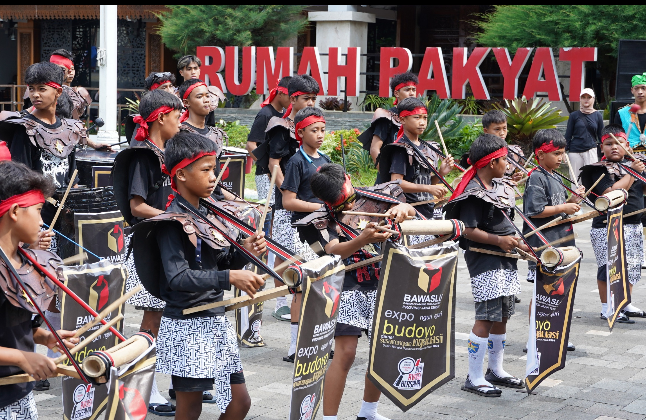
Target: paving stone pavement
pixel 605 378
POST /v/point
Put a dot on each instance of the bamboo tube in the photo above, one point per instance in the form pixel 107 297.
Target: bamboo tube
pixel 129 350
pixel 89 339
pixel 553 257
pixel 62 203
pixel 610 200
pixel 426 227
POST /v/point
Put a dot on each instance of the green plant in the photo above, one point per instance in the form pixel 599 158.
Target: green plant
pixel 358 160
pixel 372 102
pixel 133 105
pixel 332 143
pixel 445 112
pixel 460 144
pixel 185 27
pixel 237 133
pixel 333 103
pixel 469 106
pixel 526 116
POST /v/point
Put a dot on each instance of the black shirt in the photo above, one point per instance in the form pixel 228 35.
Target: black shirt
pixel 416 174
pixel 590 174
pixel 297 177
pixel 385 129
pixel 583 131
pixel 188 281
pixel 477 213
pixel 143 182
pixel 23 150
pixel 641 119
pixel 15 332
pixel 281 146
pixel 257 132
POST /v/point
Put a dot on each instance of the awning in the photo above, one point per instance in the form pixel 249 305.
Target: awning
pixel 23 12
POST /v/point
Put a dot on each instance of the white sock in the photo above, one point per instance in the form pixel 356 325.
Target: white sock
pixel 477 349
pixel 604 308
pixel 368 409
pixel 496 345
pixel 155 396
pixel 280 302
pixel 54 318
pixel 632 308
pixel 329 417
pixel 292 345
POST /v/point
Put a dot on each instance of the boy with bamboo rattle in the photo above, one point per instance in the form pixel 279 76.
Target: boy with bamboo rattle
pixel 614 165
pixel 22 195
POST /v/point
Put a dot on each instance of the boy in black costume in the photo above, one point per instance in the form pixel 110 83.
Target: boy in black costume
pixel 187 263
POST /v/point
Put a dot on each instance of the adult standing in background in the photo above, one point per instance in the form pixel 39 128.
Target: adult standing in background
pixel 583 133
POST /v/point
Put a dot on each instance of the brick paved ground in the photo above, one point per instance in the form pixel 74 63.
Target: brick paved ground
pixel 605 378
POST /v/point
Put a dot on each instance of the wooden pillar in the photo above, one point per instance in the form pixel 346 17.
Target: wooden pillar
pixel 25 50
pixel 154 49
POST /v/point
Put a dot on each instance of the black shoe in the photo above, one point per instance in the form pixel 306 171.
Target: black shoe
pixel 331 355
pixel 570 346
pixel 207 398
pixel 517 299
pixel 290 358
pixel 525 350
pixel 640 314
pixel 621 318
pixel 171 394
pixel 509 381
pixel 42 385
pixel 482 390
pixel 164 410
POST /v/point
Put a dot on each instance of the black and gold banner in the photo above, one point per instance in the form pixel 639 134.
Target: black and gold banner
pixel 98 284
pixel 549 326
pixel 249 319
pixel 412 348
pixel 101 233
pixel 322 283
pixel 130 387
pixel 618 289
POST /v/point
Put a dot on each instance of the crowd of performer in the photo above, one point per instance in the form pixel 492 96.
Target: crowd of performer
pixel 185 257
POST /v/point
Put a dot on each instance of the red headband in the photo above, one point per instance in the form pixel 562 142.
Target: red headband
pixel 142 131
pixel 416 111
pixel 51 84
pixel 183 164
pixel 401 85
pixel 609 136
pixel 345 192
pixel 468 175
pixel 158 84
pixel 272 95
pixel 546 148
pixel 184 116
pixel 28 199
pixel 297 93
pixel 305 123
pixel 61 61
pixel 4 151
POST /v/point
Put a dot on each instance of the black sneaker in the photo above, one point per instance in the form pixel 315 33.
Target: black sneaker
pixel 42 385
pixel 621 318
pixel 570 346
pixel 290 358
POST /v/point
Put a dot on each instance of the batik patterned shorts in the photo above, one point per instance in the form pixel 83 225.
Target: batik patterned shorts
pixel 495 283
pixel 357 308
pixel 285 234
pixel 262 186
pixel 203 347
pixel 23 409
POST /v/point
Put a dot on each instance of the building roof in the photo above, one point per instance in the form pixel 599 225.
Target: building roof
pixel 79 11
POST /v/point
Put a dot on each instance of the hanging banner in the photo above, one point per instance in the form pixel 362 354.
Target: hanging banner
pixel 98 284
pixel 129 388
pixel 101 233
pixel 549 326
pixel 322 283
pixel 618 289
pixel 249 318
pixel 412 348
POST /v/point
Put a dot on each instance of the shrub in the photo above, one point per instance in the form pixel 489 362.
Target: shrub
pixel 334 104
pixel 237 133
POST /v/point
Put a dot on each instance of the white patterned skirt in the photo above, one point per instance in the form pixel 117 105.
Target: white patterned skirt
pixel 142 299
pixel 357 308
pixel 494 284
pixel 262 186
pixel 205 347
pixel 23 409
pixel 634 243
pixel 285 234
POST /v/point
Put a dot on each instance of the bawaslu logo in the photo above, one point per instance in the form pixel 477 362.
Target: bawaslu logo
pixel 115 239
pixel 99 294
pixel 410 374
pixel 556 288
pixel 430 277
pixel 332 297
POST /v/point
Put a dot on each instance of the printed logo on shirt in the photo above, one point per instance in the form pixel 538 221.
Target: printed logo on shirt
pixel 410 374
pixel 83 402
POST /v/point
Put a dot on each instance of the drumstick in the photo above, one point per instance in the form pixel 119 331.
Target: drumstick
pixel 527 161
pixel 632 213
pixel 593 185
pixel 224 167
pixel 435 200
pixel 89 339
pixel 567 160
pixel 581 218
pixel 363 213
pixel 556 242
pixel 107 310
pixel 623 147
pixel 269 191
pixel 519 256
pixel 75 258
pixel 439 132
pixel 545 226
pixel 385 229
pixel 62 203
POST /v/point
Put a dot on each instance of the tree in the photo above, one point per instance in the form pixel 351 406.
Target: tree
pixel 578 25
pixel 186 27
